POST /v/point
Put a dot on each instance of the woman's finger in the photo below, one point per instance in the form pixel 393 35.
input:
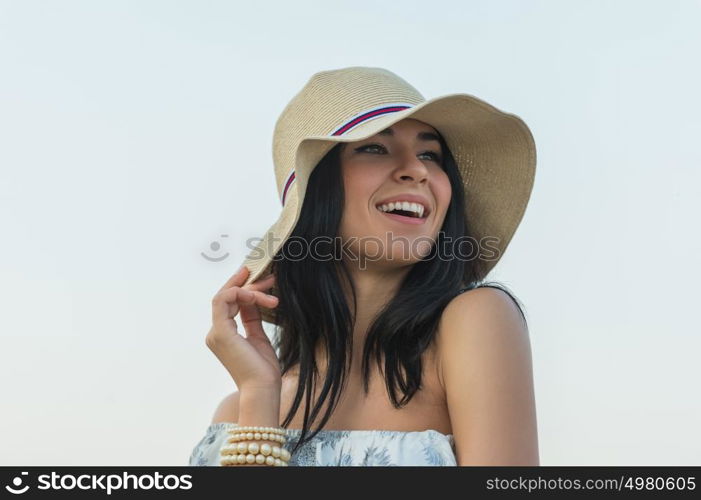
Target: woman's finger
pixel 251 317
pixel 238 278
pixel 227 303
pixel 262 284
pixel 225 307
pixel 249 306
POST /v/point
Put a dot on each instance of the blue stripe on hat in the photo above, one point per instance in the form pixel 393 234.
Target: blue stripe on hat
pixel 349 125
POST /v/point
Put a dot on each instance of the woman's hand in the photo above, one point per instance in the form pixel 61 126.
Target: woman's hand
pixel 251 360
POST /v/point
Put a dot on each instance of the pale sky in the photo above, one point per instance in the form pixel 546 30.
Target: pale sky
pixel 133 134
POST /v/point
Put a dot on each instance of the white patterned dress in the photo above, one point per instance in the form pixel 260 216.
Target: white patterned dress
pixel 345 448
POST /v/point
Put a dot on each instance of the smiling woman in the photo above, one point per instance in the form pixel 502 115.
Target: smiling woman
pixel 393 170
pixel 385 328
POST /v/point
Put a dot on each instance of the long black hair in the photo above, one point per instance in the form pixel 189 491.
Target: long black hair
pixel 313 311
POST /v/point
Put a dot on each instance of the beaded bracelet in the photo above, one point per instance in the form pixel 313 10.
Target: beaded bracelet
pixel 257 433
pixel 255 428
pixel 248 453
pixel 251 459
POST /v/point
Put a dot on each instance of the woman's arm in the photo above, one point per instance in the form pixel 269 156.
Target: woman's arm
pixel 485 368
pixel 259 407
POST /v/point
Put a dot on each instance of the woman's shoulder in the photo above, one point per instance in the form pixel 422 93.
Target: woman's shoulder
pixel 471 294
pixel 228 409
pixel 476 318
pixel 486 299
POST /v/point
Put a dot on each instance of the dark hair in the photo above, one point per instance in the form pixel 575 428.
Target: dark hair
pixel 312 308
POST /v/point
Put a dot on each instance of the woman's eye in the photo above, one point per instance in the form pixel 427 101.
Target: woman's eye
pixel 436 157
pixel 369 146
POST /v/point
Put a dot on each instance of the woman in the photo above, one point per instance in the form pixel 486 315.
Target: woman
pixel 388 339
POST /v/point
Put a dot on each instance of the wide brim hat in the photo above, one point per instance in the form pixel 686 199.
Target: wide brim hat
pixel 494 151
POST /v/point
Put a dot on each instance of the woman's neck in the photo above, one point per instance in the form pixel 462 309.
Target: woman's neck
pixel 374 289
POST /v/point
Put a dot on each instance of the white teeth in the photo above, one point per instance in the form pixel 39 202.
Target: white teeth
pixel 417 208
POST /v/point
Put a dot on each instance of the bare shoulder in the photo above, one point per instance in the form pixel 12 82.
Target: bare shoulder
pixel 483 350
pixel 482 306
pixel 228 409
pixel 475 319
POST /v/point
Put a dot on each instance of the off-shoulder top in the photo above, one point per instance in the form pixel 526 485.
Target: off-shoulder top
pixel 345 448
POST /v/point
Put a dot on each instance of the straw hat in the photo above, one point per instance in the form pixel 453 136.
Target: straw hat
pixel 495 151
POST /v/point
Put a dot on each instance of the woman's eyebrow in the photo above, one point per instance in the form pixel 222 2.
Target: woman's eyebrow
pixel 423 136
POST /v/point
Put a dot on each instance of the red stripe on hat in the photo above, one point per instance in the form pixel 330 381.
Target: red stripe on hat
pixel 289 182
pixel 345 128
pixel 370 114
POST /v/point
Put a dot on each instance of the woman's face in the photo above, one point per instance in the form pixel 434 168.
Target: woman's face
pixel 402 160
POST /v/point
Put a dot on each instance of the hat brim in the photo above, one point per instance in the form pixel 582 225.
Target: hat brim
pixel 495 153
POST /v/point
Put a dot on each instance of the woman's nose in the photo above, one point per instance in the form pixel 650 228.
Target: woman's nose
pixel 410 167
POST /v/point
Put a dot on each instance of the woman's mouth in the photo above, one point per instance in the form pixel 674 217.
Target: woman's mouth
pixel 404 217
